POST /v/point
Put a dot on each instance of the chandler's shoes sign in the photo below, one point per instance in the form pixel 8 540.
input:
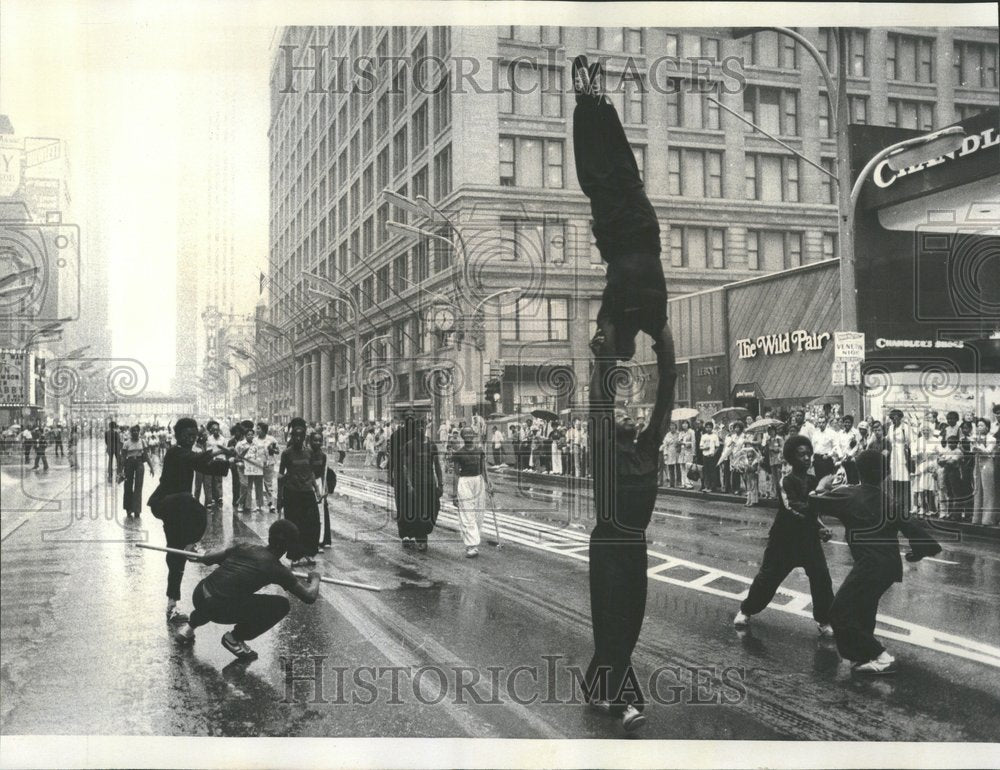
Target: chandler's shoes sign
pixel 798 341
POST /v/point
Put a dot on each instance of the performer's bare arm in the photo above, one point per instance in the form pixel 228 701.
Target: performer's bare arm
pixel 306 592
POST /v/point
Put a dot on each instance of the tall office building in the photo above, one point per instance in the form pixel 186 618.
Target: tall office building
pixel 489 141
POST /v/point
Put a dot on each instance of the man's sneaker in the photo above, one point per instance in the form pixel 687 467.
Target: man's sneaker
pixel 632 719
pixel 408 543
pixel 236 647
pixel 602 706
pixel 175 615
pixel 885 657
pixel 471 552
pixel 876 666
pixel 185 634
pixel 741 620
pixel 825 629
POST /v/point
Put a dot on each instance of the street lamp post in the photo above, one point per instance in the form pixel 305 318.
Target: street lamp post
pixel 342 295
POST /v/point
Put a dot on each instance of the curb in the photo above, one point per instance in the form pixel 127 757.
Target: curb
pixel 976 531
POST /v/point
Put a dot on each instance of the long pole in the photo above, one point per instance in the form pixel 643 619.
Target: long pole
pixel 300 575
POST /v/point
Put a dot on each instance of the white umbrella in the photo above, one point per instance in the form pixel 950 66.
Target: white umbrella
pixel 683 413
pixel 764 423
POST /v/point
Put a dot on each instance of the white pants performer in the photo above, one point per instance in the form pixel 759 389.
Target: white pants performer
pixel 471 505
pixel 270 471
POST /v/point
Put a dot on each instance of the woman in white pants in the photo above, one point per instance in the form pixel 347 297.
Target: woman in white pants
pixel 471 485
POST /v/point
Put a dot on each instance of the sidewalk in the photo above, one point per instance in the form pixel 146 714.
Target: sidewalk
pixel 976 531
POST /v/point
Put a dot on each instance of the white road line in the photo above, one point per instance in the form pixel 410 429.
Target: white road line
pixel 675 515
pixel 513 530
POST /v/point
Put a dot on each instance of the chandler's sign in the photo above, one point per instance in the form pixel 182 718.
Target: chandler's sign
pixel 798 341
pixel 977 158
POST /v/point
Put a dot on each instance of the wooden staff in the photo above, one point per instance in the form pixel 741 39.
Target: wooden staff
pixel 302 575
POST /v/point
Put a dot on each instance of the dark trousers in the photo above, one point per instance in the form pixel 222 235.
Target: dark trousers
pixel 618 585
pixel 710 475
pixel 112 463
pixel 853 614
pixel 132 494
pixel 41 458
pixel 27 452
pixel 252 615
pixel 184 522
pixel 236 490
pixel 59 448
pixel 781 556
pixel 851 471
pixel 301 509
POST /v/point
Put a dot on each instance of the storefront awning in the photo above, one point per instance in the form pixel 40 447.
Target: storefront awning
pixel 746 390
pixel 972 208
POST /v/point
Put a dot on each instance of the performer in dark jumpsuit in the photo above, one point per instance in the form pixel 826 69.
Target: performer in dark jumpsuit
pixel 624 466
pixel 794 541
pixel 871 527
pixel 184 518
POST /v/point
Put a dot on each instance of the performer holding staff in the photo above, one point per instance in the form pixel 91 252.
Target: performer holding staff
pixel 325 483
pixel 229 594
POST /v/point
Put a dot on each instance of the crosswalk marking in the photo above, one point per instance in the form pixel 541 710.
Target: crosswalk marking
pixel 572 544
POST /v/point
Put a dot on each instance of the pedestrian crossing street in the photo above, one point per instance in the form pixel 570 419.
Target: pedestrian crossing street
pixel 573 543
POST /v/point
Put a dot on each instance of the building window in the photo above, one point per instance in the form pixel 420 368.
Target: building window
pixel 368 135
pixel 857 108
pixel 382 168
pixel 772 177
pixel 420 187
pixel 829 245
pixel 399 274
pixel 694 173
pixel 634 102
pixel 774 109
pixel 382 115
pixel 975 64
pixel 529 90
pixel 527 162
pixel 964 111
pixel 368 237
pixel 421 261
pixel 420 129
pixel 442 173
pixel 824 117
pixel 910 114
pixel 382 219
pixel 382 285
pixel 355 200
pixel 368 184
pixel 442 106
pixel 538 241
pixel 356 149
pixel 539 319
pixel 909 58
pixel 773 250
pixel 342 169
pixel 640 160
pixel 717 247
pixel 399 148
pixel 398 90
pixel 675 102
pixel 857 48
pixel 633 40
pixel 828 182
pixel 769 49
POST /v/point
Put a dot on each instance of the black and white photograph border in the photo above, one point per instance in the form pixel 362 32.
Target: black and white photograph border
pixel 382 385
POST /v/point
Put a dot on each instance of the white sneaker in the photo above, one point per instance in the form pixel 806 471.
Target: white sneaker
pixel 885 657
pixel 238 648
pixel 185 634
pixel 175 614
pixel 471 552
pixel 741 620
pixel 876 666
pixel 632 719
pixel 825 629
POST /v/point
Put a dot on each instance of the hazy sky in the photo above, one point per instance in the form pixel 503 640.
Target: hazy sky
pixel 132 90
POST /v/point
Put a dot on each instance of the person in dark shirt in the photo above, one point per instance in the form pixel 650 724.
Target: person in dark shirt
pixel 793 541
pixel 871 529
pixel 297 493
pixel 184 518
pixel 470 485
pixel 229 594
pixel 625 469
pixel 625 225
pixel 41 445
pixel 113 448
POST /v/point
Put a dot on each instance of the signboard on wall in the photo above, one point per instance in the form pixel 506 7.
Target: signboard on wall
pixel 709 379
pixel 12 391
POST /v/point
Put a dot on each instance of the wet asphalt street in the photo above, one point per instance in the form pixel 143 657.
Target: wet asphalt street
pixel 460 647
